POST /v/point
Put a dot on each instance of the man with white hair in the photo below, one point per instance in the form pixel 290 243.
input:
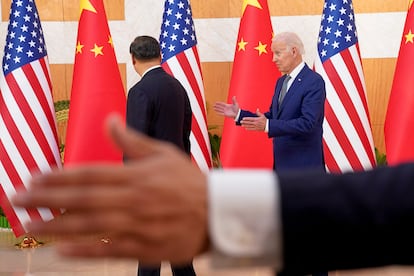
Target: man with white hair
pixel 295 116
pixel 296 113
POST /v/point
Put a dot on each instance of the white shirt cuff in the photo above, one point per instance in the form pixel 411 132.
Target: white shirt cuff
pixel 244 210
pixel 237 116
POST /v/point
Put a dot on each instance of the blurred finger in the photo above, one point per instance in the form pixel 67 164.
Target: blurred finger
pixel 131 142
pixel 83 225
pixel 79 176
pixel 71 197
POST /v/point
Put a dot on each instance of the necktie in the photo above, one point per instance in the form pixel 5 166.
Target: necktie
pixel 284 89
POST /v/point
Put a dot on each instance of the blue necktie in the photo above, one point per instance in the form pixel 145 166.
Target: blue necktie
pixel 284 89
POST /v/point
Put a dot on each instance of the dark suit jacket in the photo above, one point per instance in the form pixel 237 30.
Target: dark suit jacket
pixel 158 106
pixel 296 127
pixel 347 221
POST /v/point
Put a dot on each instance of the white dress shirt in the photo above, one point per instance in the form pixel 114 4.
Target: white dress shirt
pixel 244 214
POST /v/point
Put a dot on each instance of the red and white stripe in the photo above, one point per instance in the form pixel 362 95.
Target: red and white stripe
pixel 185 67
pixel 28 137
pixel 348 142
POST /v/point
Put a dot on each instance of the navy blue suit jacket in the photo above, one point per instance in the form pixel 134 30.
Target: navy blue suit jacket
pixel 347 221
pixel 158 106
pixel 296 127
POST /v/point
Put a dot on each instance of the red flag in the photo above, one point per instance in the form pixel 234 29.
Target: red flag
pixel 180 58
pixel 399 122
pixel 28 136
pixel 97 89
pixel 252 82
pixel 347 135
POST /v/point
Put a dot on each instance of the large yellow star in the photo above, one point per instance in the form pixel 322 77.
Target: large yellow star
pixel 242 44
pixel 79 47
pixel 254 3
pixel 261 48
pixel 97 50
pixel 86 5
pixel 409 37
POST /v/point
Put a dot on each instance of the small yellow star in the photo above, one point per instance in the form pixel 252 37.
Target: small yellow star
pixel 409 37
pixel 97 50
pixel 86 5
pixel 410 3
pixel 79 47
pixel 261 48
pixel 254 3
pixel 110 41
pixel 242 44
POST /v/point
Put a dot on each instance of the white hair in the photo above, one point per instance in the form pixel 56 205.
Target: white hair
pixel 291 40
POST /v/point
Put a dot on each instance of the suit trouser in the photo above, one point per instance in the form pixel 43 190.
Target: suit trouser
pixel 185 270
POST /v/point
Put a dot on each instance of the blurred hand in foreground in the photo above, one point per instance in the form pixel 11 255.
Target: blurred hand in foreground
pixel 152 209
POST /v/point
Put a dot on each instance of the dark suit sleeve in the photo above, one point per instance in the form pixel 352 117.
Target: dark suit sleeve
pixel 188 116
pixel 355 220
pixel 138 113
pixel 244 113
pixel 269 114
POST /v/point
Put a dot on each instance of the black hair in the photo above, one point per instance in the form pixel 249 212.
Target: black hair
pixel 145 48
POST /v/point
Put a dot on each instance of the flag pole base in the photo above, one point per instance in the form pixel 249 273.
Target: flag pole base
pixel 29 242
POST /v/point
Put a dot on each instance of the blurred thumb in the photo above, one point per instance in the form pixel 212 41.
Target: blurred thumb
pixel 133 143
pixel 234 100
pixel 258 113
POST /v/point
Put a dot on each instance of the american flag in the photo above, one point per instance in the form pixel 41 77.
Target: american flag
pixel 348 142
pixel 180 58
pixel 28 136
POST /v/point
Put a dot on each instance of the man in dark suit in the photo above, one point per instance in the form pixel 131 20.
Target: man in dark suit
pixel 350 221
pixel 158 106
pixel 295 117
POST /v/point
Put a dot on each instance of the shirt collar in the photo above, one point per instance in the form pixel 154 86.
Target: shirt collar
pixel 149 69
pixel 295 72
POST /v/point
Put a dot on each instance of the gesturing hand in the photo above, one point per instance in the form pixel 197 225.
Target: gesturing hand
pixel 227 110
pixel 254 123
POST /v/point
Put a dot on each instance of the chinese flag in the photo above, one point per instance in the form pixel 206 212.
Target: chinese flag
pixel 399 122
pixel 252 82
pixel 97 90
